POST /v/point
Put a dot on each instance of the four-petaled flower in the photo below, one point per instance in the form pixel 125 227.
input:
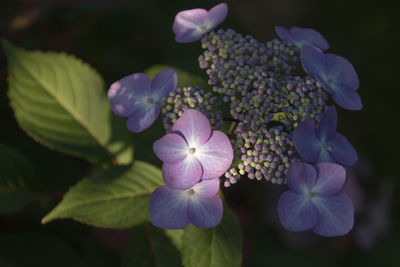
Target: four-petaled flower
pixel 302 36
pixel 335 74
pixel 192 151
pixel 138 98
pixel 323 143
pixel 316 201
pixel 190 25
pixel 174 209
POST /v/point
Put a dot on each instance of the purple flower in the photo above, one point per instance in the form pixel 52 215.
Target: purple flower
pixel 190 25
pixel 138 98
pixel 192 151
pixel 174 209
pixel 323 143
pixel 302 36
pixel 336 75
pixel 316 201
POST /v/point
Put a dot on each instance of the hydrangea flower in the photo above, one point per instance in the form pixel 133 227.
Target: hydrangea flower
pixel 190 25
pixel 138 98
pixel 302 36
pixel 335 74
pixel 175 209
pixel 323 143
pixel 316 201
pixel 192 151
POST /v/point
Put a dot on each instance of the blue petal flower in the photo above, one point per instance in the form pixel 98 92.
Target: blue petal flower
pixel 302 36
pixel 316 200
pixel 335 74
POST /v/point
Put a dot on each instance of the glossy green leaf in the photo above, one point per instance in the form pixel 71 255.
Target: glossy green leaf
pixel 16 173
pixel 114 198
pixel 149 246
pixel 61 103
pixel 216 247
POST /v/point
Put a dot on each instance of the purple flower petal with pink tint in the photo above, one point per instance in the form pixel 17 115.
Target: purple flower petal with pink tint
pixel 206 154
pixel 190 25
pixel 336 75
pixel 302 36
pixel 137 98
pixel 321 205
pixel 174 209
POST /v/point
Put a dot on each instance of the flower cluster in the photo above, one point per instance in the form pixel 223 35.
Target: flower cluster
pixel 273 98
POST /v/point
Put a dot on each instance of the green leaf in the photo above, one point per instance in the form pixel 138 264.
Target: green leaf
pixel 16 174
pixel 114 198
pixel 61 103
pixel 149 246
pixel 184 78
pixel 26 249
pixel 216 247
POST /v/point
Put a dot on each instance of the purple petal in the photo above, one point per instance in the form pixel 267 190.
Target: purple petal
pixel 346 97
pixel 306 141
pixel 307 36
pixel 127 93
pixel 168 208
pixel 194 126
pixel 188 25
pixel 163 83
pixel 336 215
pixel 343 151
pixel 284 34
pixel 301 177
pixel 182 175
pixel 331 178
pixel 143 117
pixel 205 212
pixel 207 188
pixel 171 148
pixel 313 60
pixel 296 212
pixel 341 71
pixel 216 155
pixel 325 156
pixel 327 126
pixel 217 15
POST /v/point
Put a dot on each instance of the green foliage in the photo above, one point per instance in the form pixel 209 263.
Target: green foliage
pixel 61 103
pixel 149 246
pixel 216 247
pixel 16 174
pixel 27 249
pixel 114 198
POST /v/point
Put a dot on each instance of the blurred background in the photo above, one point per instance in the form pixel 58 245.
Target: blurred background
pixel 119 37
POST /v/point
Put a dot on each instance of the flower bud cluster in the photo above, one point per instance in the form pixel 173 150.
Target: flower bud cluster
pixel 190 97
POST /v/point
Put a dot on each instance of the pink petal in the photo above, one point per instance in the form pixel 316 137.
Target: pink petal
pixel 207 188
pixel 171 148
pixel 182 175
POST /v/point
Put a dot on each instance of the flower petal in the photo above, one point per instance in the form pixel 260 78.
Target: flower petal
pixel 194 126
pixel 168 208
pixel 346 97
pixel 182 175
pixel 163 83
pixel 307 36
pixel 325 156
pixel 142 118
pixel 284 34
pixel 127 93
pixel 306 141
pixel 296 212
pixel 313 60
pixel 301 177
pixel 171 148
pixel 327 125
pixel 331 178
pixel 207 188
pixel 216 15
pixel 343 151
pixel 336 215
pixel 216 155
pixel 188 23
pixel 342 71
pixel 205 212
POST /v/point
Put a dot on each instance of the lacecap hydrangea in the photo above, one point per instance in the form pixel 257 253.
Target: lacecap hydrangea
pixel 266 115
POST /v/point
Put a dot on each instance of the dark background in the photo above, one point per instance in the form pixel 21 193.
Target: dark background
pixel 121 37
